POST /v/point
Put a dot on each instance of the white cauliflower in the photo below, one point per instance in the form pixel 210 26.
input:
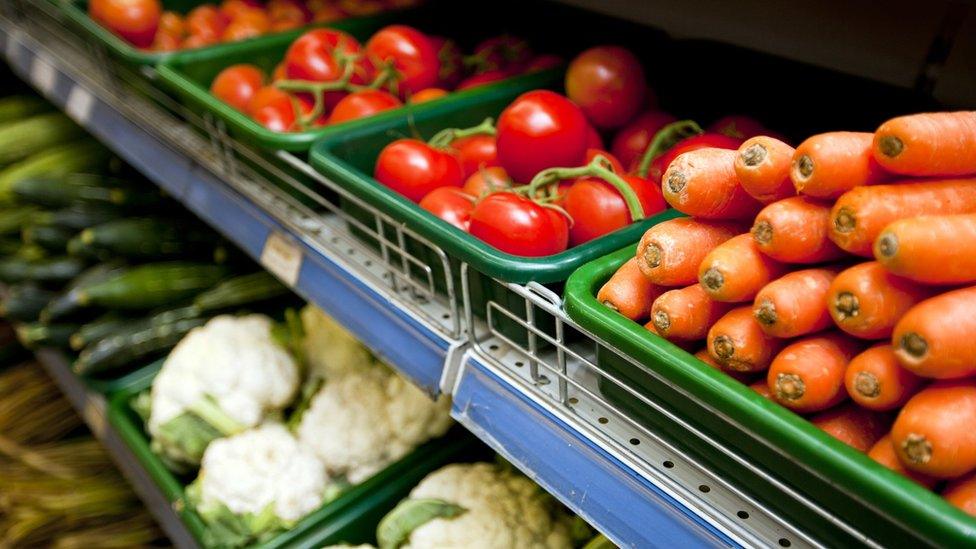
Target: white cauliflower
pixel 256 484
pixel 360 422
pixel 477 506
pixel 222 378
pixel 329 348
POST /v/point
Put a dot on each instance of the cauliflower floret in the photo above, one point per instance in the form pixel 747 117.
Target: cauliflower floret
pixel 221 378
pixel 501 509
pixel 257 483
pixel 361 422
pixel 330 350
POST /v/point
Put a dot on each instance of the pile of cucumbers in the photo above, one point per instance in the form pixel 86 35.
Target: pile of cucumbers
pixel 96 260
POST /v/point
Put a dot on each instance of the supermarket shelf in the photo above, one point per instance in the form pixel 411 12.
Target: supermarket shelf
pixel 311 251
pixel 91 407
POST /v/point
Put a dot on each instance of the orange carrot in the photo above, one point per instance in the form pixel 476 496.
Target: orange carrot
pixel 934 433
pixel 925 249
pixel 859 216
pixel 795 230
pixel 738 343
pixel 686 313
pixel 760 386
pixel 763 167
pixel 962 493
pixel 669 253
pixel 937 337
pixel 703 183
pixel 876 381
pixel 629 292
pixel 681 343
pixel 867 301
pixel 741 377
pixel 829 164
pixel 795 304
pixel 736 270
pixel 929 143
pixel 852 425
pixel 808 375
pixel 884 453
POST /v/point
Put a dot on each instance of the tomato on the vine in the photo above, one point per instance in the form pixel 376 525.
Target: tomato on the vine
pixel 486 181
pixel 428 94
pixel 237 84
pixel 328 13
pixel 165 41
pixel 593 138
pixel 414 168
pixel 312 56
pixel 476 151
pixel 232 8
pixel 615 165
pixel 608 83
pixel 246 24
pixel 543 62
pixel 540 129
pixel 504 52
pixel 695 142
pixel 483 78
pixel 632 140
pixel 207 22
pixel 289 10
pixel 451 61
pixel 412 55
pixel 738 126
pixel 597 207
pixel 517 225
pixel 135 21
pixel 361 104
pixel 450 204
pixel 277 117
pixel 172 23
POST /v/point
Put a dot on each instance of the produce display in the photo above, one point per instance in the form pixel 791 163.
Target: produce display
pixel 848 301
pixel 327 77
pixel 146 24
pixel 540 181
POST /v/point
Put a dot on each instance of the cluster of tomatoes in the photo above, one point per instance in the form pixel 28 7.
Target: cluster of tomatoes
pixel 144 24
pixel 328 77
pixel 541 181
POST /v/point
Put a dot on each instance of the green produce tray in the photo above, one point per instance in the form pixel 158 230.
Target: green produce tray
pixel 350 518
pixel 77 13
pixel 882 504
pixel 189 74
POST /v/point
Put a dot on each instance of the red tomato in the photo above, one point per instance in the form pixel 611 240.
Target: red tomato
pixel 413 56
pixel 450 204
pixel 206 21
pixel 543 62
pixel 198 41
pixel 328 13
pixel 597 208
pixel 483 78
pixel 541 129
pixel 277 118
pixel 172 23
pixel 428 94
pixel 615 165
pixel 632 140
pixel 232 8
pixel 476 152
pixel 282 25
pixel 695 142
pixel 608 83
pixel 135 21
pixel 486 181
pixel 165 41
pixel 516 225
pixel 279 72
pixel 593 138
pixel 268 95
pixel 362 104
pixel 414 168
pixel 247 24
pixel 738 126
pixel 502 52
pixel 237 84
pixel 359 8
pixel 312 55
pixel 288 10
pixel 451 59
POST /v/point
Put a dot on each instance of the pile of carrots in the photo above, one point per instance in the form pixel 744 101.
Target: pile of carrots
pixel 852 297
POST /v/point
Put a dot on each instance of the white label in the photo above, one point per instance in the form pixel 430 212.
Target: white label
pixel 43 75
pixel 79 104
pixel 282 257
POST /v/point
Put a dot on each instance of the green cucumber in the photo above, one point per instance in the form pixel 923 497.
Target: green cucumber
pixel 124 348
pixel 50 237
pixel 84 155
pixel 62 190
pixel 67 303
pixel 22 138
pixel 37 335
pixel 241 290
pixel 17 107
pixel 104 326
pixel 55 269
pixel 13 219
pixel 24 302
pixel 77 216
pixel 152 285
pixel 146 237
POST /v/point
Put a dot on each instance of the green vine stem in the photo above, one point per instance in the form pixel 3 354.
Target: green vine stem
pixel 445 137
pixel 664 139
pixel 600 168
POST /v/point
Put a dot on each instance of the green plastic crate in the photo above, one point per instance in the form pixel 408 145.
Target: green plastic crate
pixel 351 518
pixel 885 506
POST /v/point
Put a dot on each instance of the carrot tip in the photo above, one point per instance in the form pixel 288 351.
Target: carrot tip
pixel 888 244
pixel 662 322
pixel 914 344
pixel 653 255
pixel 724 347
pixel 890 146
pixel 765 312
pixel 762 232
pixel 676 181
pixel 804 165
pixel 713 279
pixel 867 385
pixel 845 221
pixel 753 155
pixel 846 305
pixel 789 387
pixel 916 448
pixel 610 305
